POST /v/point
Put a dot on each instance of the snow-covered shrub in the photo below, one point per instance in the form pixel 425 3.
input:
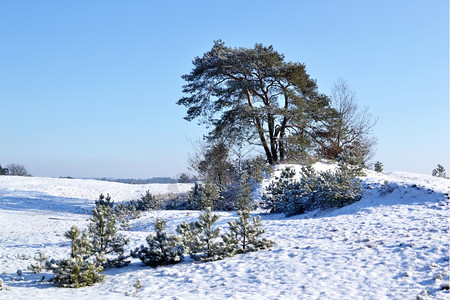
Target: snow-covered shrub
pixel 275 192
pixel 188 232
pixel 243 197
pixel 105 238
pixel 202 239
pixel 163 248
pixel 203 196
pixel 104 201
pixel 352 161
pixel 313 190
pixel 78 270
pixel 239 195
pixel 174 201
pixel 3 171
pixel 126 211
pixel 378 167
pixel 137 286
pixel 244 235
pixel 439 171
pixel 149 202
pixel 291 196
pixel 194 197
pixel 339 188
pixel 40 259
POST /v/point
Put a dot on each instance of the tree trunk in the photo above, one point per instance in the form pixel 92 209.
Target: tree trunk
pixel 259 128
pixel 273 138
pixel 281 145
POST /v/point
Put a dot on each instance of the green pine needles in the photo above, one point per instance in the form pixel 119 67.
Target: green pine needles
pixel 439 171
pixel 314 190
pixel 105 237
pixel 163 248
pixel 244 235
pixel 204 238
pixel 204 241
pixel 92 250
pixel 77 271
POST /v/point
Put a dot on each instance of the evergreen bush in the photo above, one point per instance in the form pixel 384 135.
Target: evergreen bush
pixel 163 248
pixel 439 171
pixel 243 194
pixel 40 259
pixel 314 190
pixel 104 201
pixel 105 237
pixel 274 196
pixel 205 196
pixel 339 188
pixel 387 188
pixel 149 202
pixel 379 166
pixel 244 236
pixel 77 271
pixel 202 238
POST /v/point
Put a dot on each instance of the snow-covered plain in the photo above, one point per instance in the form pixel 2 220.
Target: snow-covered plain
pixel 394 246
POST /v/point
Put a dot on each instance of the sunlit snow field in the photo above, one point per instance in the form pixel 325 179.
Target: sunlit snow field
pixel 394 246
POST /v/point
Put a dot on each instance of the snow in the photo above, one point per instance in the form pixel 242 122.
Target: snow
pixel 382 247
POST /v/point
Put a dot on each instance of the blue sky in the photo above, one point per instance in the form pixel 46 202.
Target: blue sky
pixel 88 88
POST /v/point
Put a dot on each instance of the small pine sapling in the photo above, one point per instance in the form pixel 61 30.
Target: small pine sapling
pixel 243 196
pixel 244 235
pixel 194 197
pixel 210 196
pixel 439 171
pixel 40 259
pixel 163 248
pixel 105 238
pixel 149 202
pixel 352 162
pixel 77 271
pixel 124 212
pixel 300 196
pixel 137 286
pixel 337 189
pixel 188 232
pixel 205 244
pixel 379 167
pixel 104 201
pixel 275 192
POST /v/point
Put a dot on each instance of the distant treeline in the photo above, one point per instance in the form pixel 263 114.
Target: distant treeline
pixel 140 181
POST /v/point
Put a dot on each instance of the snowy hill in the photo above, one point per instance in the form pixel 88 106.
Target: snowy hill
pixel 394 246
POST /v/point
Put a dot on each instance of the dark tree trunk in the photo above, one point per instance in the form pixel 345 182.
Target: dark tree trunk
pixel 260 130
pixel 281 146
pixel 273 138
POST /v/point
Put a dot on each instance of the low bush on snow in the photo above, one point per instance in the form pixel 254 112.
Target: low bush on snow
pixel 202 240
pixel 314 190
pixel 91 249
pixel 163 248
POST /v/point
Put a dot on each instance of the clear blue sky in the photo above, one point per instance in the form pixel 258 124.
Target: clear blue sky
pixel 88 88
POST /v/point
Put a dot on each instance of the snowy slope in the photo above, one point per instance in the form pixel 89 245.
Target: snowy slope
pixel 383 247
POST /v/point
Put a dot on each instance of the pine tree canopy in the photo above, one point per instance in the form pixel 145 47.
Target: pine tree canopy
pixel 254 95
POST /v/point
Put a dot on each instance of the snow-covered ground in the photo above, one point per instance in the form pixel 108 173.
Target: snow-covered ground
pixel 394 246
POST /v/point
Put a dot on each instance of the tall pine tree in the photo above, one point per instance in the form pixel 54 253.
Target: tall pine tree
pixel 254 95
